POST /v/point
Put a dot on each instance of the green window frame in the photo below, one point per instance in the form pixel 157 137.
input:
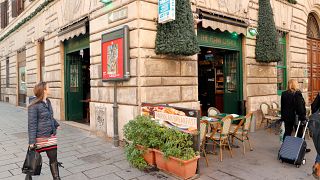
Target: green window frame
pixel 282 65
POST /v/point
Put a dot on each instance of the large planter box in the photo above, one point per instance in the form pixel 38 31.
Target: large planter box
pixel 178 167
pixel 148 155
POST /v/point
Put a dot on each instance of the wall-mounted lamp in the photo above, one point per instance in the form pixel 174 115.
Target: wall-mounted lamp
pixel 253 31
pixel 106 2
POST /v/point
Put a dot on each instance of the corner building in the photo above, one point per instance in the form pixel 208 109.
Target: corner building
pixel 59 41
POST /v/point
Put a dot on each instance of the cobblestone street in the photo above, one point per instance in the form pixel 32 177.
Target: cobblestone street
pixel 84 156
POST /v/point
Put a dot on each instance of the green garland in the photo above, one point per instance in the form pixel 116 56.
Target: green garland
pixel 267 48
pixel 178 37
pixel 292 1
pixel 26 19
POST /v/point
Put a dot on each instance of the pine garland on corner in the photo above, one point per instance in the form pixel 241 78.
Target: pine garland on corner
pixel 292 1
pixel 267 48
pixel 178 37
pixel 26 19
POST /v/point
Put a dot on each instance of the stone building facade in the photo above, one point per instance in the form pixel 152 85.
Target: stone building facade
pixel 51 43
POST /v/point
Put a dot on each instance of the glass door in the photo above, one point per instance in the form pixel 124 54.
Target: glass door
pixel 74 88
pixel 231 96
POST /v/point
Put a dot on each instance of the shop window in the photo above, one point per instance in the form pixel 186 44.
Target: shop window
pixel 7 73
pixel 4 14
pixel 281 65
pixel 17 7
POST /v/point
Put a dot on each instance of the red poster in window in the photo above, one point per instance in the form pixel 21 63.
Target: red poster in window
pixel 112 59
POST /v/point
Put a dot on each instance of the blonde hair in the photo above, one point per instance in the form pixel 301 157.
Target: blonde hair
pixel 293 85
pixel 38 91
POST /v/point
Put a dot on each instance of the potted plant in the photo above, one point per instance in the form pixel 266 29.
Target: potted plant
pixel 143 135
pixel 176 154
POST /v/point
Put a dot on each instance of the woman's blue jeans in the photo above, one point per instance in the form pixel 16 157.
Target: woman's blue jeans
pixel 318 158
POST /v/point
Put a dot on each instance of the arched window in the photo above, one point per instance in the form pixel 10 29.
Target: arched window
pixel 313 27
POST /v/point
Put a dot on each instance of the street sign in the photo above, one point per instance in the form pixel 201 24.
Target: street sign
pixel 166 11
pixel 118 15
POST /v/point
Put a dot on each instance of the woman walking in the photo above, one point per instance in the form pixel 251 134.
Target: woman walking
pixel 293 106
pixel 42 127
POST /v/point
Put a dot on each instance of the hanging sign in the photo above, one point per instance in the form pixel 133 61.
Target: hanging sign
pixel 115 55
pixel 166 11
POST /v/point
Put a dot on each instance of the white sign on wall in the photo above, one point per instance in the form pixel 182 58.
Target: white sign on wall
pixel 166 11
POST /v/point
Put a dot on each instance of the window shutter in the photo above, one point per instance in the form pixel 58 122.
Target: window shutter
pixel 3 16
pixel 20 5
pixel 14 8
pixel 6 13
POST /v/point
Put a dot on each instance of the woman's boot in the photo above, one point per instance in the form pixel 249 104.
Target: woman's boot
pixel 55 171
pixel 28 177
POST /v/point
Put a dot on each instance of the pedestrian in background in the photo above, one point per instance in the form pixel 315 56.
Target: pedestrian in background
pixel 293 109
pixel 314 127
pixel 42 127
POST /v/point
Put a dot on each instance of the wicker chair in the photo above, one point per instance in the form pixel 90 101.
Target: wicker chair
pixel 241 133
pixel 265 110
pixel 212 111
pixel 221 138
pixel 203 132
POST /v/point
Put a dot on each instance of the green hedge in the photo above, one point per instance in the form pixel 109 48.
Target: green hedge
pixel 267 48
pixel 178 37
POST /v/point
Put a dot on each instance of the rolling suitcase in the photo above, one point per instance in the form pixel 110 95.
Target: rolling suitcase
pixel 293 149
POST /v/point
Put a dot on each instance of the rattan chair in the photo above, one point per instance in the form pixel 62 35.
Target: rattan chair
pixel 203 132
pixel 241 132
pixel 265 111
pixel 212 111
pixel 221 138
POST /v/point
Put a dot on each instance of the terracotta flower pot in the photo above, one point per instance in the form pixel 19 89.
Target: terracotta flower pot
pixel 148 155
pixel 160 160
pixel 178 167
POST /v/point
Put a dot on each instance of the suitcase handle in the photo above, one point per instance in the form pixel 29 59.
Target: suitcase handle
pixel 305 129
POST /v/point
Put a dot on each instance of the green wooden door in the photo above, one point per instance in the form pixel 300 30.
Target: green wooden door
pixel 74 89
pixel 231 96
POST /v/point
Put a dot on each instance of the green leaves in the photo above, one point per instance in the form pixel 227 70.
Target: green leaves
pixel 134 156
pixel 178 37
pixel 267 48
pixel 292 1
pixel 177 144
pixel 148 133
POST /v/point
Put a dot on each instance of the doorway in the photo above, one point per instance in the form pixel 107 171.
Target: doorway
pixel 313 62
pixel 219 80
pixel 77 80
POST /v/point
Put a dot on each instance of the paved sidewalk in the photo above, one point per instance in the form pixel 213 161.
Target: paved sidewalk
pixel 84 156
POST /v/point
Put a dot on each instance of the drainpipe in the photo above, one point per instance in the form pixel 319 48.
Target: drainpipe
pixel 115 117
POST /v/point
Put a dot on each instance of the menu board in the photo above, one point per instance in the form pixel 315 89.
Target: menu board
pixel 180 118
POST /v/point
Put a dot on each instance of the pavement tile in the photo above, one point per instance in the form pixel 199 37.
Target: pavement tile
pixel 104 170
pixel 16 171
pixel 5 174
pixel 77 176
pixel 108 177
pixel 8 167
pixel 16 177
pixel 122 164
pixel 130 173
pixel 84 167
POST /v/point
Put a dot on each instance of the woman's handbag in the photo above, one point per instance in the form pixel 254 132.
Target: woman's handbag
pixel 33 163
